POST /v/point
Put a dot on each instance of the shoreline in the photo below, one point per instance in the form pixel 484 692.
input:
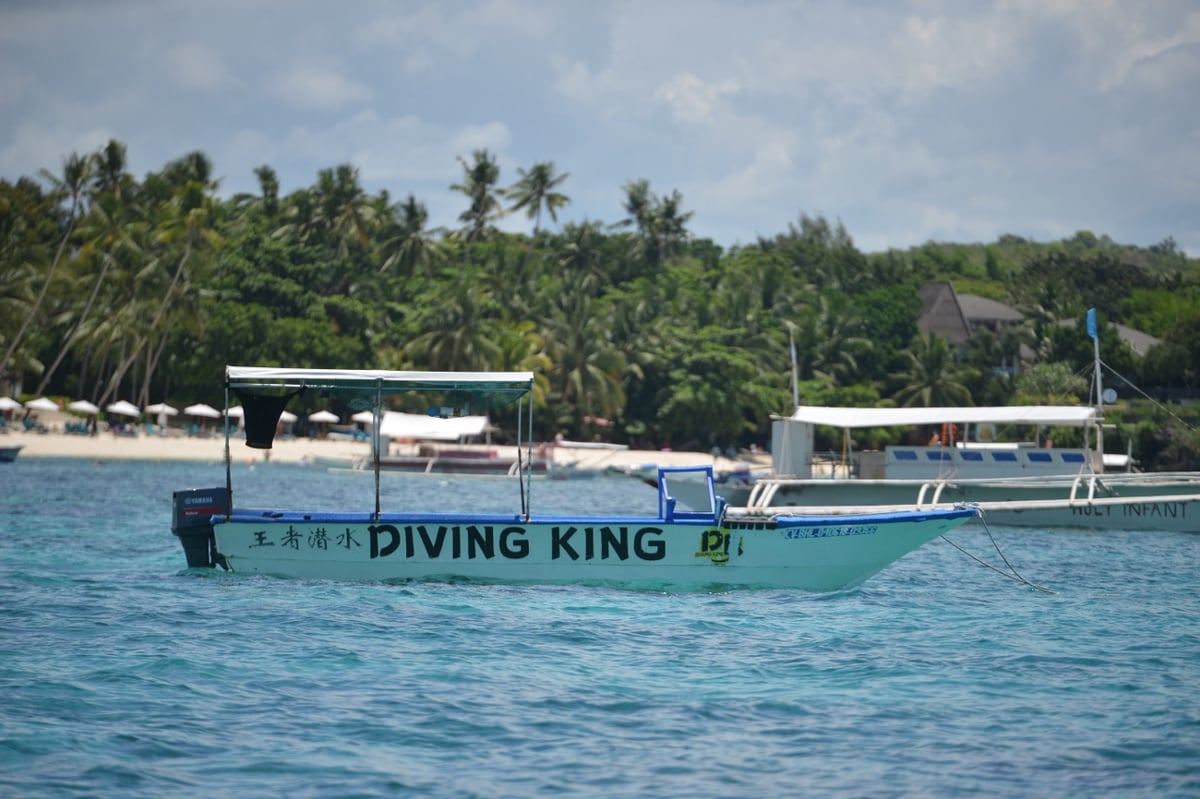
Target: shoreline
pixel 110 447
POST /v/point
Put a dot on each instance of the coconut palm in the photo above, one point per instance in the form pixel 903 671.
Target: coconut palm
pixel 588 369
pixel 479 185
pixel 932 378
pixel 408 245
pixel 267 199
pixel 661 224
pixel 459 332
pixel 346 211
pixel 112 175
pixel 335 214
pixel 77 177
pixel 108 239
pixel 186 226
pixel 268 183
pixel 535 192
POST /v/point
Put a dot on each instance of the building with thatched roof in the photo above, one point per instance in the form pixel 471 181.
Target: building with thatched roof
pixel 956 317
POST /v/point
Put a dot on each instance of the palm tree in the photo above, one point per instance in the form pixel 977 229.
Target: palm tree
pixel 459 332
pixel 341 212
pixel 661 225
pixel 267 199
pixel 932 378
pixel 108 237
pixel 587 369
pixel 78 175
pixel 639 204
pixel 188 221
pixel 479 185
pixel 535 192
pixel 581 257
pixel 268 183
pixel 345 208
pixel 836 352
pixel 409 245
pixel 333 214
pixel 111 176
pixel 671 225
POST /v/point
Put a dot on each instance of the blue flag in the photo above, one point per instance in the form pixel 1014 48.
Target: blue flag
pixel 1091 322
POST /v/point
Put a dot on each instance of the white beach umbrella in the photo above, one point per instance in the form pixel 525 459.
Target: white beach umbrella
pixel 83 406
pixel 161 409
pixel 288 417
pixel 324 416
pixel 236 412
pixel 200 409
pixel 8 404
pixel 42 404
pixel 365 417
pixel 123 408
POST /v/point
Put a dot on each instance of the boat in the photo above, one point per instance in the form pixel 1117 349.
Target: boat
pixel 8 453
pixel 1034 484
pixel 1016 483
pixel 418 444
pixel 431 460
pixel 675 547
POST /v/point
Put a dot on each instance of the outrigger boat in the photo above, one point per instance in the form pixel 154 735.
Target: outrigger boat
pixel 676 547
pixel 1020 485
pixel 1027 485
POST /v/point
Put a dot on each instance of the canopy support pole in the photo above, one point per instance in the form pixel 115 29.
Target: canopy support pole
pixel 378 411
pixel 228 456
pixel 522 484
pixel 1099 377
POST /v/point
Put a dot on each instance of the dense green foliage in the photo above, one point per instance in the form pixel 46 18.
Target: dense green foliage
pixel 111 287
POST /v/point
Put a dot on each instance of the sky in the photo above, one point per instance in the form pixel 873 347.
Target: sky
pixel 908 121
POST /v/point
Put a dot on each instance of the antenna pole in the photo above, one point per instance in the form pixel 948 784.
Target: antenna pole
pixel 1095 334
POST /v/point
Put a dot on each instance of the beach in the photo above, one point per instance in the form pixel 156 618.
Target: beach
pixel 106 446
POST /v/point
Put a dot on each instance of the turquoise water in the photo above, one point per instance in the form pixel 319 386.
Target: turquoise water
pixel 121 674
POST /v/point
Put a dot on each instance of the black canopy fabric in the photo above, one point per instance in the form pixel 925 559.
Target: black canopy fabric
pixel 261 415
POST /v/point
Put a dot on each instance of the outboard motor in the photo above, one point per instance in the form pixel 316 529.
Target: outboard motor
pixel 193 508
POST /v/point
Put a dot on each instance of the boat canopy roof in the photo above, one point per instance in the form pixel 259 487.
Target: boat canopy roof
pixel 1064 415
pixel 266 390
pixel 504 386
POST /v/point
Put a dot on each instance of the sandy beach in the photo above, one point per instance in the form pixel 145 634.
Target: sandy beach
pixel 106 446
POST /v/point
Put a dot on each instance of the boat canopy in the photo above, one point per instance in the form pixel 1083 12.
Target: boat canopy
pixel 266 390
pixel 1064 415
pixel 504 386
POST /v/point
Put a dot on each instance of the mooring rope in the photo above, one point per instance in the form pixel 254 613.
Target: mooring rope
pixel 1011 574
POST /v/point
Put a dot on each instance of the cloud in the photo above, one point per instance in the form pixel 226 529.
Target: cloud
pixel 33 146
pixel 691 99
pixel 199 67
pixel 910 120
pixel 312 88
pixel 402 153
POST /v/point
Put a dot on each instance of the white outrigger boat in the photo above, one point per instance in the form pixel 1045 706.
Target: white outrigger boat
pixel 1022 485
pixel 677 547
pixel 1032 485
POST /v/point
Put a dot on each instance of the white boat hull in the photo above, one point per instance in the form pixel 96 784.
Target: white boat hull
pixel 815 553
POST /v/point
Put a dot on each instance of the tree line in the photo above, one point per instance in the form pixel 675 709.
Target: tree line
pixel 114 287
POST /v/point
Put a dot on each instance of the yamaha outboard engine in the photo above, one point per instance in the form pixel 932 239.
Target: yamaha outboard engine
pixel 194 507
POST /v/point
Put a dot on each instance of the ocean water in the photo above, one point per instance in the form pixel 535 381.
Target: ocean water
pixel 124 675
